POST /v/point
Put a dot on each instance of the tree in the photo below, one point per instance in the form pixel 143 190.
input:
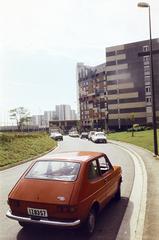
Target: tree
pixel 132 120
pixel 21 116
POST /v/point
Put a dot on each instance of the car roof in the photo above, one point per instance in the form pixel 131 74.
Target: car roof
pixel 99 132
pixel 78 156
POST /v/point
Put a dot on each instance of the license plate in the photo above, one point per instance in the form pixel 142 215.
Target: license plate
pixel 37 212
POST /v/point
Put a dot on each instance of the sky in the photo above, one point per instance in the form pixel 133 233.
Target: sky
pixel 41 42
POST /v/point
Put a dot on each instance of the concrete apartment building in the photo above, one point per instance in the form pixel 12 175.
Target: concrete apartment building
pixel 37 121
pixel 64 112
pixel 92 96
pixel 123 90
pixel 49 116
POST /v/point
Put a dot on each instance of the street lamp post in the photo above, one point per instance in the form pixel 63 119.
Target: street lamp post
pixel 146 5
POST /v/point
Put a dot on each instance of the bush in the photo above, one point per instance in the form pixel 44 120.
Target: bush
pixel 136 128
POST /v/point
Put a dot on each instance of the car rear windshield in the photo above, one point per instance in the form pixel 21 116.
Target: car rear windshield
pixel 100 134
pixel 54 170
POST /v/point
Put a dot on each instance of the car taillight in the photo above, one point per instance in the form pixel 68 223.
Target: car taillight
pixel 66 208
pixel 13 202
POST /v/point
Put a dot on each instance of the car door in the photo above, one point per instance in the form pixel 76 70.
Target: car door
pixel 96 183
pixel 108 176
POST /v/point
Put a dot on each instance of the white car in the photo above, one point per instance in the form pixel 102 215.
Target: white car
pixel 56 136
pixel 91 133
pixel 73 134
pixel 99 137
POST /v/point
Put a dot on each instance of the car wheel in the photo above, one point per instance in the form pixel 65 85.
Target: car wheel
pixel 118 193
pixel 90 222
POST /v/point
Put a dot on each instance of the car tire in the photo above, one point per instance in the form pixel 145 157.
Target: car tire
pixel 118 193
pixel 90 222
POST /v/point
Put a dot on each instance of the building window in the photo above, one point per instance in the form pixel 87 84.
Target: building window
pixel 108 54
pixel 146 60
pixel 149 109
pixel 147 70
pixel 122 51
pixel 147 89
pixel 148 99
pixel 145 48
pixel 111 73
pixel 149 119
pixel 122 61
pixel 111 63
pixel 147 79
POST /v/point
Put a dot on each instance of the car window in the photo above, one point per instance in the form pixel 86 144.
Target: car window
pixel 54 170
pixel 93 170
pixel 99 134
pixel 104 164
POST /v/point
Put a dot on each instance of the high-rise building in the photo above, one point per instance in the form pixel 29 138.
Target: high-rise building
pixel 92 96
pixel 37 120
pixel 64 112
pixel 49 116
pixel 118 93
pixel 129 83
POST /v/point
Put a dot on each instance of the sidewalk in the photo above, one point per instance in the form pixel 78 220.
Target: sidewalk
pixel 151 222
pixel 151 225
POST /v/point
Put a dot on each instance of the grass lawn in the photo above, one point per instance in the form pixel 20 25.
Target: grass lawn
pixel 143 138
pixel 16 147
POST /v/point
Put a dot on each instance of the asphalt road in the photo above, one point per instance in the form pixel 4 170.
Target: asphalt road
pixel 109 220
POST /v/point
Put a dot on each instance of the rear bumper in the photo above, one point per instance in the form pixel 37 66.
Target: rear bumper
pixel 59 138
pixel 100 141
pixel 43 221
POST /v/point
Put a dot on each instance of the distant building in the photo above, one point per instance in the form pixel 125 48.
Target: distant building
pixel 49 116
pixel 37 120
pixel 73 115
pixel 64 112
pixel 63 126
pixel 61 113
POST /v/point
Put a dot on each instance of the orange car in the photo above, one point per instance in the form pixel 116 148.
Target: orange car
pixel 66 190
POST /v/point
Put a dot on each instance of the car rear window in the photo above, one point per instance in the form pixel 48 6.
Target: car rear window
pixel 100 134
pixel 54 170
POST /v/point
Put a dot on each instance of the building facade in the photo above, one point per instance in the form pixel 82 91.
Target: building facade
pixel 49 116
pixel 92 96
pixel 129 83
pixel 37 120
pixel 120 91
pixel 64 112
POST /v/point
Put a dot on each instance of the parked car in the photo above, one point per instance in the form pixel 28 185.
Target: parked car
pixel 99 137
pixel 84 135
pixel 91 133
pixel 56 136
pixel 65 190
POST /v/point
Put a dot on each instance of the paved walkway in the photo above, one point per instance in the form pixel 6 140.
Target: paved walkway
pixel 151 222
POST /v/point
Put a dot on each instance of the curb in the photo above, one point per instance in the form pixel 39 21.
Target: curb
pixel 138 197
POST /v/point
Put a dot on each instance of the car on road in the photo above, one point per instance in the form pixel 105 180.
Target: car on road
pixel 99 137
pixel 91 133
pixel 84 135
pixel 65 190
pixel 56 136
pixel 73 134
